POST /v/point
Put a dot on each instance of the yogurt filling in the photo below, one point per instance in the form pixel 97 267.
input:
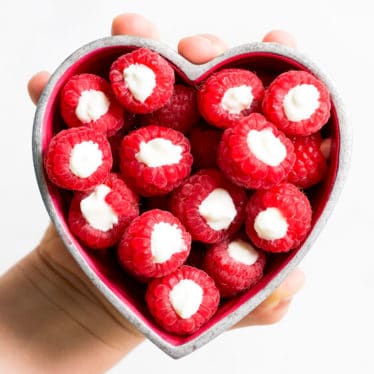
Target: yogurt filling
pixel 218 209
pixel 140 80
pixel 92 104
pixel 270 224
pixel 159 152
pixel 96 211
pixel 85 158
pixel 166 239
pixel 186 298
pixel 242 252
pixel 301 102
pixel 266 147
pixel 236 99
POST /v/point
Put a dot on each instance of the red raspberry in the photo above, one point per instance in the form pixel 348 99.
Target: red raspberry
pixel 183 301
pixel 230 95
pixel 155 159
pixel 209 206
pixel 154 244
pixel 235 265
pixel 142 80
pixel 278 219
pixel 255 154
pixel 78 159
pixel 297 103
pixel 204 146
pixel 310 165
pixel 99 217
pixel 180 112
pixel 87 99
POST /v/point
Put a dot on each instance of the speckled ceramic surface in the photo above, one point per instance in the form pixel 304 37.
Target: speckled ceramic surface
pixel 267 60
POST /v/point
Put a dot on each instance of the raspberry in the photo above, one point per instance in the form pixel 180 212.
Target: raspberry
pixel 99 217
pixel 87 99
pixel 209 206
pixel 255 154
pixel 182 301
pixel 179 113
pixel 278 219
pixel 155 159
pixel 310 165
pixel 154 244
pixel 204 146
pixel 297 103
pixel 78 159
pixel 142 80
pixel 230 95
pixel 235 265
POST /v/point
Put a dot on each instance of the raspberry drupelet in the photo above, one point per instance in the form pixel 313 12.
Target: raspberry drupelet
pixel 153 245
pixel 155 160
pixel 255 154
pixel 99 217
pixel 209 206
pixel 142 80
pixel 87 100
pixel 78 159
pixel 230 95
pixel 297 103
pixel 182 301
pixel 278 219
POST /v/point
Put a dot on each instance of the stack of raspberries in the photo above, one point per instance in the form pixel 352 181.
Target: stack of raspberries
pixel 157 166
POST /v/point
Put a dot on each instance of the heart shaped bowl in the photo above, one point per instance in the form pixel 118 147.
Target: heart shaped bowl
pixel 267 60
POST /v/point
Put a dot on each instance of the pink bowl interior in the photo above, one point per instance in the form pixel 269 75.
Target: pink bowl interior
pixel 104 263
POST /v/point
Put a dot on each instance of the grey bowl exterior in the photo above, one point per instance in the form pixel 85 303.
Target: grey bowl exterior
pixel 192 72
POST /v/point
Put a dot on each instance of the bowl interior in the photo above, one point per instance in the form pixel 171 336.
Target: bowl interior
pixel 103 263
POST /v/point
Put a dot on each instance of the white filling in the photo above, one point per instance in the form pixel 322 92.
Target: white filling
pixel 186 297
pixel 92 105
pixel 96 211
pixel 301 102
pixel 85 158
pixel 218 209
pixel 243 252
pixel 236 99
pixel 166 239
pixel 140 80
pixel 270 224
pixel 159 152
pixel 266 147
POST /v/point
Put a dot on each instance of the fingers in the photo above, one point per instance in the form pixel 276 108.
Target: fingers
pixel 280 37
pixel 36 85
pixel 276 305
pixel 134 24
pixel 201 48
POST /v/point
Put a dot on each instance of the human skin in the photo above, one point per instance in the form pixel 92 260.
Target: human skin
pixel 52 319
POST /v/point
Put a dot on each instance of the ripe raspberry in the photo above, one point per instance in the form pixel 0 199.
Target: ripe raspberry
pixel 182 301
pixel 78 159
pixel 204 146
pixel 99 217
pixel 255 154
pixel 297 103
pixel 235 265
pixel 154 244
pixel 87 100
pixel 209 206
pixel 230 95
pixel 155 159
pixel 179 113
pixel 278 219
pixel 310 165
pixel 142 80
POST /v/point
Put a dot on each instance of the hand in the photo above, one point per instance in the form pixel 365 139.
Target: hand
pixel 47 300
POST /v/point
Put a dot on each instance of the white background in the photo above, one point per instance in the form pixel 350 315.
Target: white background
pixel 329 327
